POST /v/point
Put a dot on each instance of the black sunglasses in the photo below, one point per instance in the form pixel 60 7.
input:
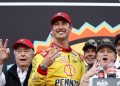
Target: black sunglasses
pixel 91 42
pixel 104 40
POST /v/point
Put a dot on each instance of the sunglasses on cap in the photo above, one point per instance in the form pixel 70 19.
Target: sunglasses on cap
pixel 91 42
pixel 104 40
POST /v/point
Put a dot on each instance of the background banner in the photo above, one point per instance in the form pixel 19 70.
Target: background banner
pixel 33 22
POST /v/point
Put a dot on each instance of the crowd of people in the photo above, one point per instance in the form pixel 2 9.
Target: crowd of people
pixel 59 64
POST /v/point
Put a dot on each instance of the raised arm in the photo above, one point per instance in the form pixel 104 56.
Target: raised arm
pixel 4 54
pixel 86 78
pixel 4 51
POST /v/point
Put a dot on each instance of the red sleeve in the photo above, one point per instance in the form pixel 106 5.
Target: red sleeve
pixel 43 72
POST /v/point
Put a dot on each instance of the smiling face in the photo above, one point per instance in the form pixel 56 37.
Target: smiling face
pixel 23 56
pixel 105 55
pixel 89 55
pixel 61 29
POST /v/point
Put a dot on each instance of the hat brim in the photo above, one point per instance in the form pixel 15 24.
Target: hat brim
pixel 88 46
pixel 106 45
pixel 57 18
pixel 16 45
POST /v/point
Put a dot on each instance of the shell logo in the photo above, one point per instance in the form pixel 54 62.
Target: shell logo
pixel 69 70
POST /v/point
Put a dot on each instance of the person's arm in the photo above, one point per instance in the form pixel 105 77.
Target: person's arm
pixel 86 78
pixel 4 54
pixel 38 74
pixel 2 77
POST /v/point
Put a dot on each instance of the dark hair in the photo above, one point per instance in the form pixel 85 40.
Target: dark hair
pixel 117 38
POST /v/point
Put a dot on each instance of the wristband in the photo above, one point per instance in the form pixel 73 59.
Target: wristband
pixel 43 67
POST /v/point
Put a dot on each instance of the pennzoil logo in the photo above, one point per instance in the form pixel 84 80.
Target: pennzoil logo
pixel 85 31
pixel 66 82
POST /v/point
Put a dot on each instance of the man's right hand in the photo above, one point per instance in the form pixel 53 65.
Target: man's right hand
pixel 52 55
pixel 4 51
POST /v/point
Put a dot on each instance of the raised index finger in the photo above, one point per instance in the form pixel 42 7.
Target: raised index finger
pixel 6 43
pixel 96 63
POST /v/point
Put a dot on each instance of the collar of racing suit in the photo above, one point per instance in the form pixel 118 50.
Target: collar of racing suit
pixel 62 48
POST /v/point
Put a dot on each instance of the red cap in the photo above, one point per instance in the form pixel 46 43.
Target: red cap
pixel 61 15
pixel 25 42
